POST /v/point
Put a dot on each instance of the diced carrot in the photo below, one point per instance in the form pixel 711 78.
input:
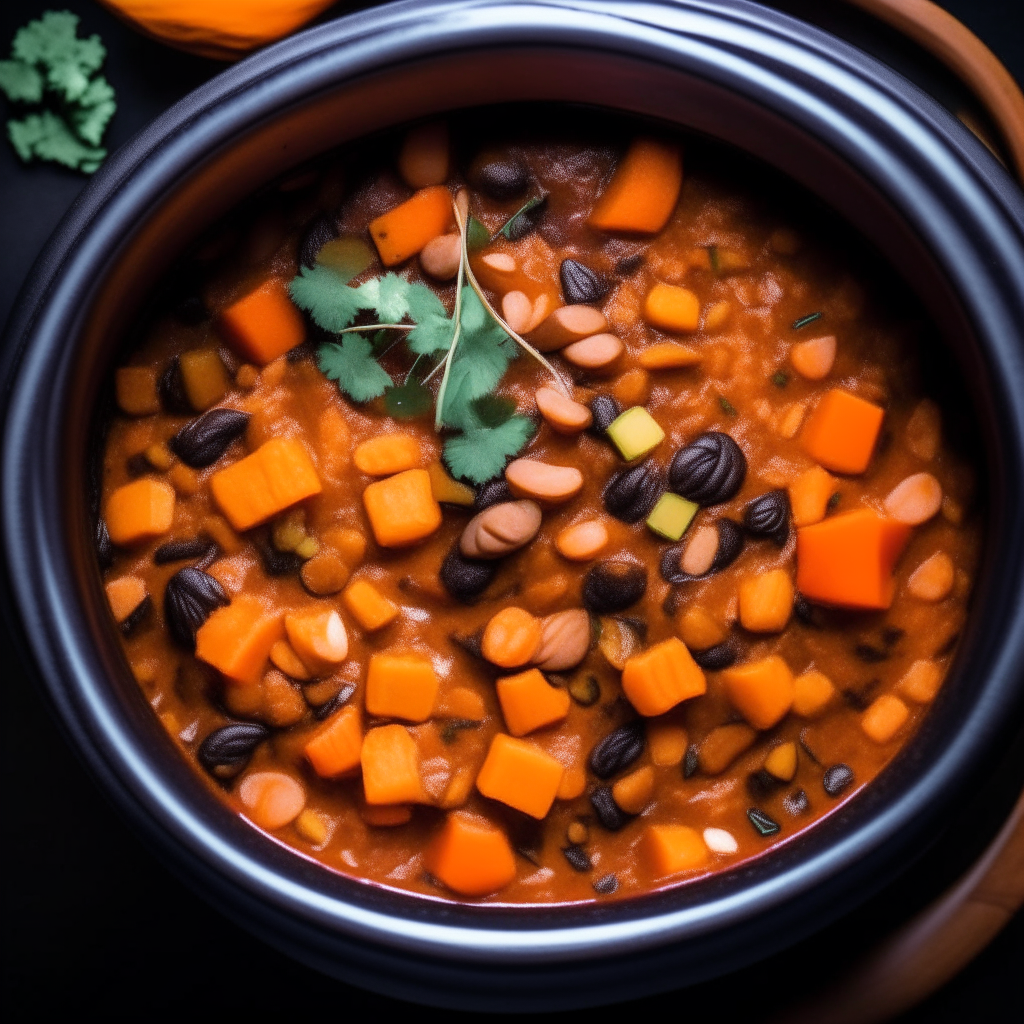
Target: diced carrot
pixel 933 579
pixel 139 510
pixel 471 856
pixel 274 477
pixel 404 230
pixel 781 762
pixel 662 677
pixel 669 355
pixel 511 637
pixel 921 682
pixel 402 508
pixel 318 637
pixel 283 656
pixel 387 454
pixel 125 594
pixel 462 702
pixel 349 544
pixel 264 324
pixel 813 358
pixel 700 629
pixel 521 775
pixel 811 693
pixel 401 686
pixel 643 190
pixel 236 639
pixel 723 745
pixel 848 559
pixel 368 606
pixel 672 308
pixel 809 494
pixel 761 691
pixel 633 792
pixel 336 747
pixel 766 601
pixel 204 376
pixel 528 701
pixel 272 799
pixel 672 849
pixel 391 767
pixel 884 718
pixel 841 431
pixel 135 387
pixel 448 491
pixel 667 743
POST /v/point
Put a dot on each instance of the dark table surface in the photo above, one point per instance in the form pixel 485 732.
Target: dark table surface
pixel 94 924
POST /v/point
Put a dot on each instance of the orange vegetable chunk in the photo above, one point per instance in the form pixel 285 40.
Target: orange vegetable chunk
pixel 236 640
pixel 672 308
pixel 391 767
pixel 761 691
pixel 125 594
pixel 884 718
pixel 528 701
pixel 670 849
pixel 404 230
pixel 921 682
pixel 318 637
pixel 766 601
pixel 387 454
pixel 402 508
pixel 471 856
pixel 661 677
pixel 135 387
pixel 841 431
pixel 275 476
pixel 521 775
pixel 643 190
pixel 336 747
pixel 264 324
pixel 812 691
pixel 368 606
pixel 401 686
pixel 848 559
pixel 511 637
pixel 139 510
pixel 809 494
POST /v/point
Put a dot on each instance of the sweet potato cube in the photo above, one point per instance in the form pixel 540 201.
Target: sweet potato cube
pixel 841 432
pixel 812 692
pixel 723 745
pixel 766 601
pixel 662 677
pixel 471 856
pixel 672 308
pixel 205 379
pixel 402 508
pixel 761 691
pixel 275 476
pixel 140 510
pixel 125 594
pixel 401 686
pixel 236 640
pixel 521 775
pixel 318 637
pixel 848 560
pixel 920 683
pixel 643 190
pixel 884 718
pixel 336 747
pixel 404 230
pixel 391 767
pixel 368 606
pixel 264 324
pixel 135 387
pixel 528 701
pixel 809 494
pixel 671 849
pixel 387 454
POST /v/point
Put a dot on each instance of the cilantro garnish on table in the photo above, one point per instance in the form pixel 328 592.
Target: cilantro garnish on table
pixel 51 78
pixel 469 349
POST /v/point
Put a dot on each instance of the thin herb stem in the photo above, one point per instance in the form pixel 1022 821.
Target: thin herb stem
pixel 376 327
pixel 447 362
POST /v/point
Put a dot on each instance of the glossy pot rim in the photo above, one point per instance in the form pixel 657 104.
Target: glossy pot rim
pixel 960 204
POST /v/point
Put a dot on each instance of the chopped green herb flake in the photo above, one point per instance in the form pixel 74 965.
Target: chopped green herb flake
pixel 763 824
pixel 727 407
pixel 454 726
pixel 713 257
pixel 780 378
pixel 805 320
pixel 833 501
pixel 477 236
pixel 519 224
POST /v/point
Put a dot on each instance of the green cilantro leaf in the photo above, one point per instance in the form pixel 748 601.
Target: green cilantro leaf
pixel 329 301
pixel 408 401
pixel 47 137
pixel 352 365
pixel 20 81
pixel 52 41
pixel 477 236
pixel 96 108
pixel 392 299
pixel 481 453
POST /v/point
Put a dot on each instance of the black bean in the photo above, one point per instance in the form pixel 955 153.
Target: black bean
pixel 806 747
pixel 278 563
pixel 618 750
pixel 338 701
pixel 526 835
pixel 613 586
pixel 226 751
pixel 104 545
pixel 171 389
pixel 606 885
pixel 502 179
pixel 466 578
pixel 580 284
pixel 629 264
pixel 796 803
pixel 136 615
pixel 870 655
pixel 494 492
pixel 605 411
pixel 691 762
pixel 631 493
pixel 761 784
pixel 730 544
pixel 183 550
pixel 203 441
pixel 763 824
pixel 315 237
pixel 608 811
pixel 714 659
pixel 189 598
pixel 837 777
pixel 768 516
pixel 855 699
pixel 578 858
pixel 709 470
pixel 806 612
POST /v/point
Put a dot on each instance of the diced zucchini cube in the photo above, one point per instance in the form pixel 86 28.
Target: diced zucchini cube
pixel 671 516
pixel 635 433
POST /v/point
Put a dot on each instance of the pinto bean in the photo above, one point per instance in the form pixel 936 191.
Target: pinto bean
pixel 597 352
pixel 914 500
pixel 566 325
pixel 440 257
pixel 700 552
pixel 544 483
pixel 564 640
pixel 582 541
pixel 562 414
pixel 517 310
pixel 500 529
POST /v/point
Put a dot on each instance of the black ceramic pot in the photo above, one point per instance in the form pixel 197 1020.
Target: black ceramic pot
pixel 866 141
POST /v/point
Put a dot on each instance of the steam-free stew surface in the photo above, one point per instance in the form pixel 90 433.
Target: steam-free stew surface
pixel 752 580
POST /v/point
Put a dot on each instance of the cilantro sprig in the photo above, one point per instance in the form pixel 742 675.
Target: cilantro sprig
pixel 52 76
pixel 470 348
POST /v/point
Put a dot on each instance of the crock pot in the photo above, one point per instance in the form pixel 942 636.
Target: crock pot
pixel 915 182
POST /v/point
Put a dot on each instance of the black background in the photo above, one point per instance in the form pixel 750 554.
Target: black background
pixel 93 924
